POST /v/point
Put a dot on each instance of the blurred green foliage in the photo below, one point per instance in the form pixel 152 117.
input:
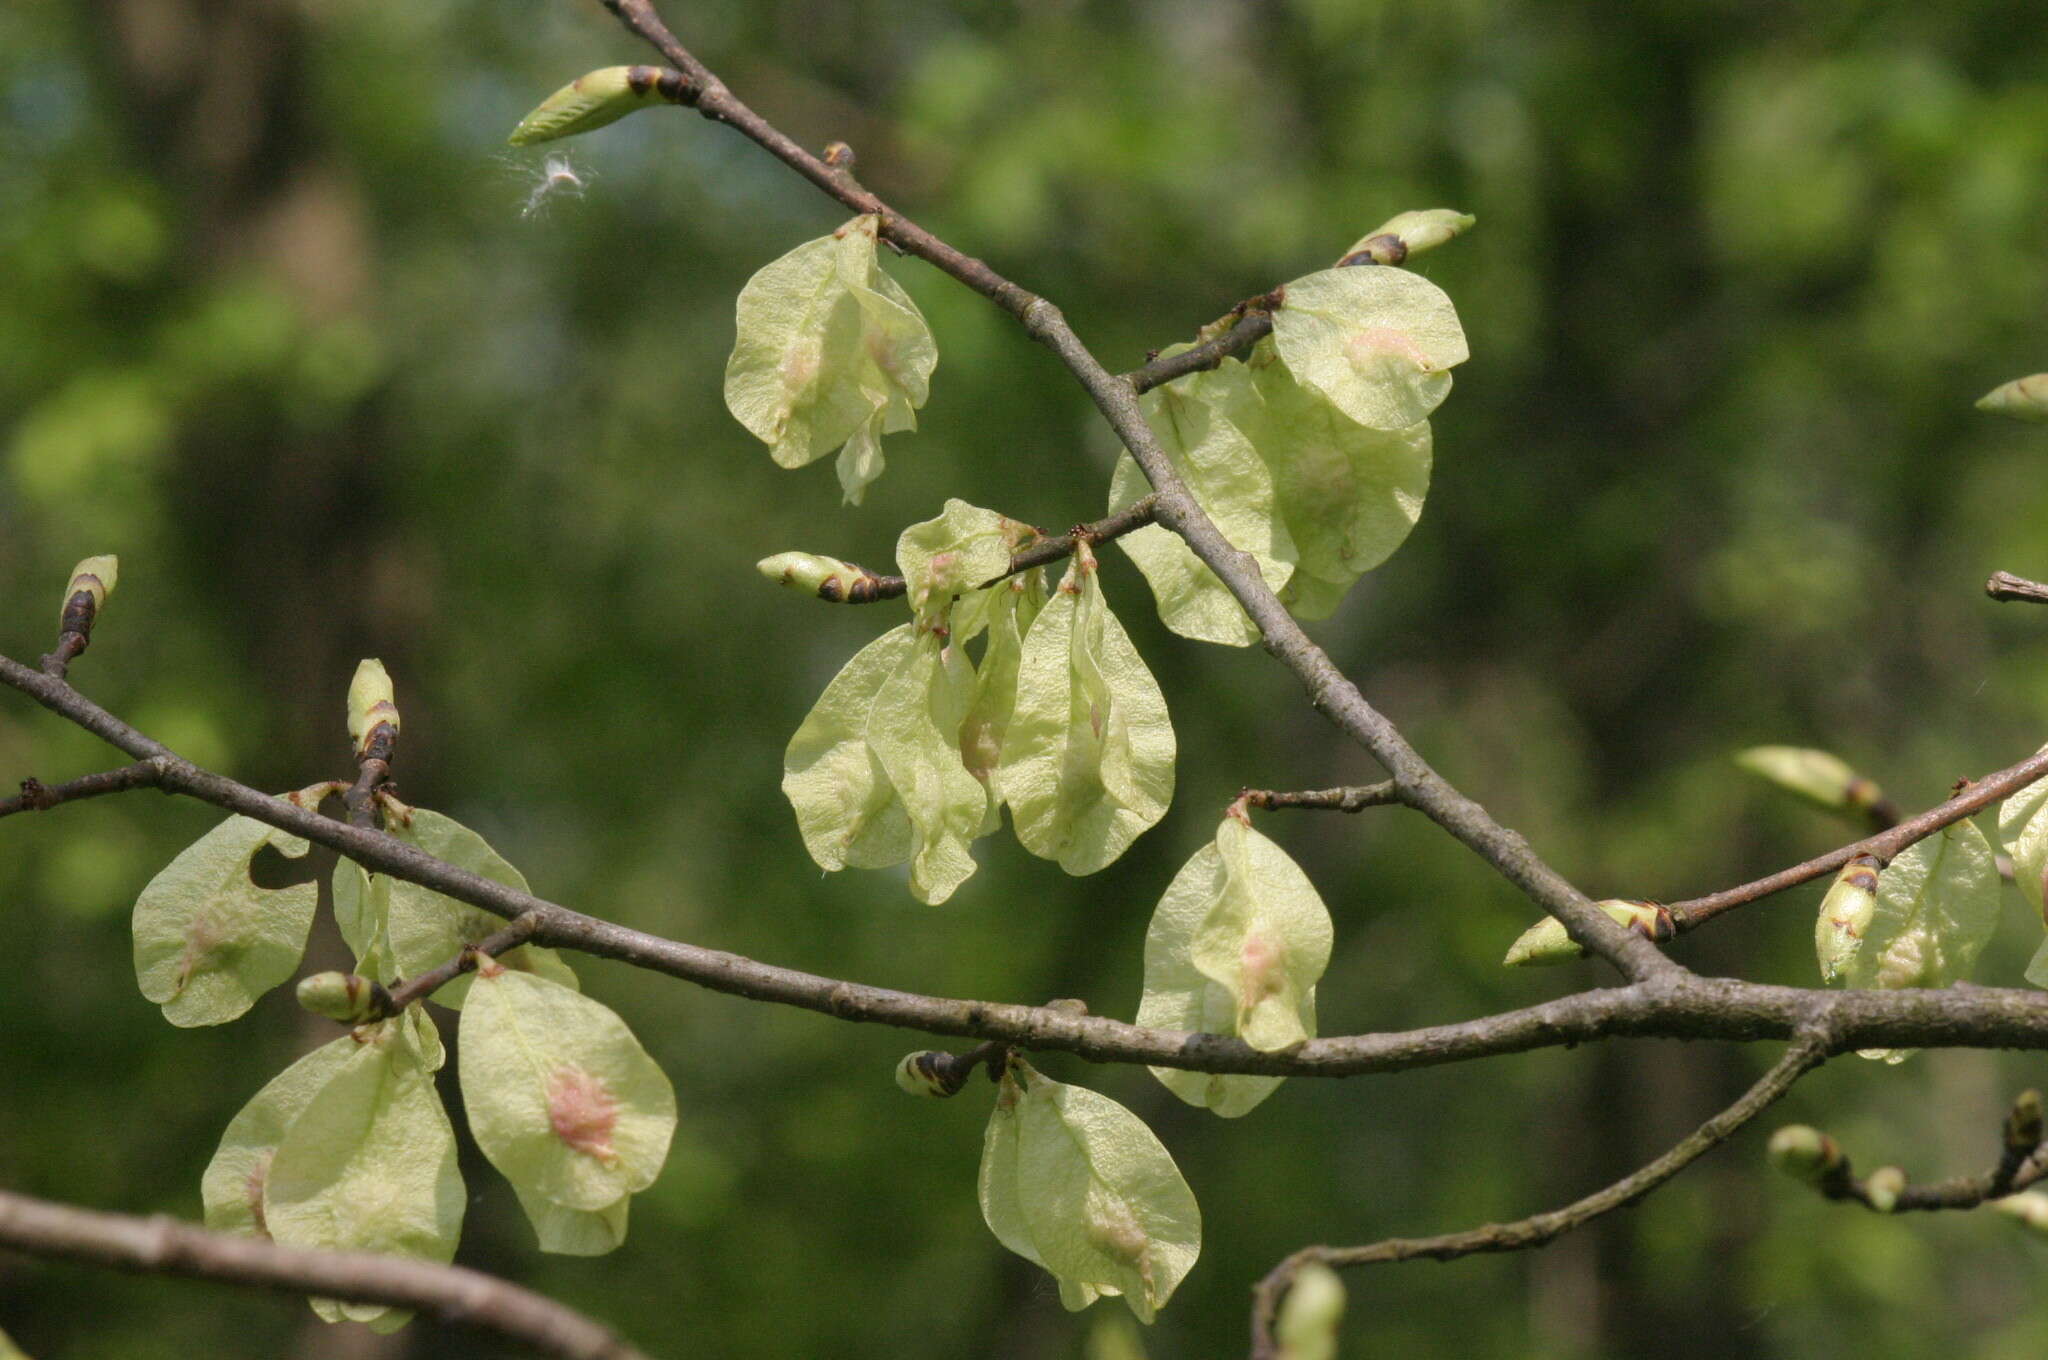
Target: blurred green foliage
pixel 279 329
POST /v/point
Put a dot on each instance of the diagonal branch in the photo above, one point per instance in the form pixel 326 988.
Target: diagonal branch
pixel 1809 1048
pixel 1117 398
pixel 164 1246
pixel 1885 844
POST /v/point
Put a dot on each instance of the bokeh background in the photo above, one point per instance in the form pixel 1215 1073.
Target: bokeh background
pixel 284 324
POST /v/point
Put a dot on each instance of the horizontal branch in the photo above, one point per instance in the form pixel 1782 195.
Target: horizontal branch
pixel 36 796
pixel 164 1246
pixel 1808 1050
pixel 1885 844
pixel 1354 798
pixel 1676 1005
pixel 875 586
pixel 2005 586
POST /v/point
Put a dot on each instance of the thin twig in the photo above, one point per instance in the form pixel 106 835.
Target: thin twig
pixel 1176 508
pixel 2003 585
pixel 1677 1006
pixel 875 586
pixel 1809 1049
pixel 36 796
pixel 2022 1161
pixel 1353 798
pixel 164 1246
pixel 1250 329
pixel 1885 845
pixel 424 985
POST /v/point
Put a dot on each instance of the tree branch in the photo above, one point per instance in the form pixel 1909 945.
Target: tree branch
pixel 1885 844
pixel 1810 1047
pixel 1354 798
pixel 1177 509
pixel 1139 513
pixel 2004 586
pixel 36 796
pixel 1675 1006
pixel 164 1246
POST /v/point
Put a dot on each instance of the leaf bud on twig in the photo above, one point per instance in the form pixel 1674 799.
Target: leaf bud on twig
pixel 1546 942
pixel 828 578
pixel 371 709
pixel 2023 1128
pixel 1805 1153
pixel 1883 1188
pixel 2021 399
pixel 344 997
pixel 2029 1207
pixel 1406 234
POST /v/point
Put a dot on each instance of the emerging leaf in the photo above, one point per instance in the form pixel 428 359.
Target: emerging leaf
pixel 369 1165
pixel 370 703
pixel 831 354
pixel 1235 947
pixel 952 554
pixel 561 1097
pixel 1011 608
pixel 208 941
pixel 1088 759
pixel 96 576
pixel 1406 234
pixel 591 101
pixel 1937 906
pixel 1378 343
pixel 1234 486
pixel 1072 1181
pixel 428 929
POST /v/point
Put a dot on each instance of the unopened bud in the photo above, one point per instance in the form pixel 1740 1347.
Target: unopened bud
pixel 1307 1326
pixel 2023 1129
pixel 2029 1207
pixel 94 578
pixel 1805 1153
pixel 603 96
pixel 1546 942
pixel 344 997
pixel 2021 399
pixel 1406 234
pixel 1818 776
pixel 926 1073
pixel 1845 914
pixel 828 578
pixel 1883 1188
pixel 370 705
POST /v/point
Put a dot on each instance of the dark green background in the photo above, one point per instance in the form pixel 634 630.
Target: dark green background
pixel 274 328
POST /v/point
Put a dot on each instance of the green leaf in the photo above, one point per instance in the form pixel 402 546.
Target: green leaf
pixel 1236 947
pixel 914 732
pixel 1349 494
pixel 591 101
pixel 1088 760
pixel 428 929
pixel 845 806
pixel 1378 343
pixel 1235 487
pixel 208 941
pixel 2023 827
pixel 575 1232
pixel 954 553
pixel 232 1187
pixel 830 354
pixel 369 1165
pixel 1076 1183
pixel 362 912
pixel 1012 607
pixel 1937 906
pixel 561 1097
